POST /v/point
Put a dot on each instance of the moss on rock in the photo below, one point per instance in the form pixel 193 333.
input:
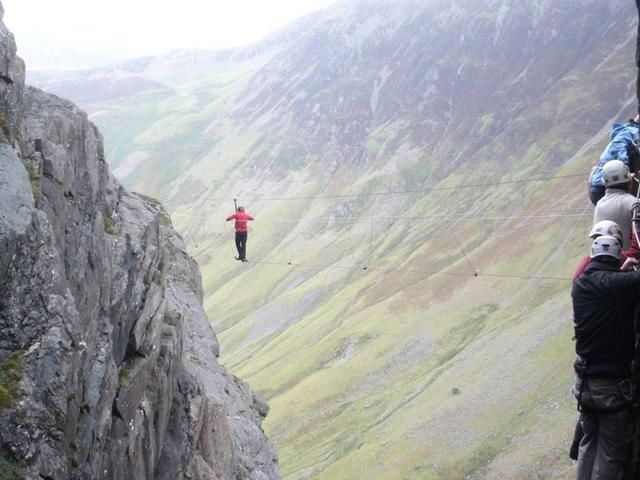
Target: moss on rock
pixel 10 375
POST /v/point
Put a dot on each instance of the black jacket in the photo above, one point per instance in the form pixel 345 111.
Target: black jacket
pixel 604 300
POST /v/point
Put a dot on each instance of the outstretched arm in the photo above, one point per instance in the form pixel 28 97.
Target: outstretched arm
pixel 231 217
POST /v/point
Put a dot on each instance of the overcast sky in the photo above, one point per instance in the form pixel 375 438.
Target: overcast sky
pixel 139 27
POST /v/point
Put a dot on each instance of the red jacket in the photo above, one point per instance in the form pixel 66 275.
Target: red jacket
pixel 241 219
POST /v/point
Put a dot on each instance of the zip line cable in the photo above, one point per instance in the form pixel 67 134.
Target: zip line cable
pixel 233 250
pixel 365 264
pixel 367 260
pixel 537 214
pixel 464 254
pixel 452 217
pixel 477 273
pixel 406 192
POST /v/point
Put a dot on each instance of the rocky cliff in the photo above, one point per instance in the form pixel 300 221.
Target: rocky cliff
pixel 107 361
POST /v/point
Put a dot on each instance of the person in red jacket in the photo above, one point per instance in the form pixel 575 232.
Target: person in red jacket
pixel 241 218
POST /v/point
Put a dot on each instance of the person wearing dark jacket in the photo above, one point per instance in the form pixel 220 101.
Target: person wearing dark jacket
pixel 241 218
pixel 604 300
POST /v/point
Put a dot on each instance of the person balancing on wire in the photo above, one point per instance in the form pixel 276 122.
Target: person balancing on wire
pixel 241 218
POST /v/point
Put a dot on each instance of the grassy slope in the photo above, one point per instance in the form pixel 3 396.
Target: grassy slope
pixel 381 373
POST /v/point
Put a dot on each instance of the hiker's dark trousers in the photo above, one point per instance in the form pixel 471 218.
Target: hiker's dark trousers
pixel 605 449
pixel 241 245
pixel 606 446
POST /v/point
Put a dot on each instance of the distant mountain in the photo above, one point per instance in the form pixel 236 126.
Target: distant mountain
pixel 99 85
pixel 50 55
pixel 405 308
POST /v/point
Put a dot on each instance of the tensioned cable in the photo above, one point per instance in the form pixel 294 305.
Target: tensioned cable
pixel 464 253
pixel 233 250
pixel 404 192
pixel 467 216
pixel 470 216
pixel 452 217
pixel 477 273
pixel 498 214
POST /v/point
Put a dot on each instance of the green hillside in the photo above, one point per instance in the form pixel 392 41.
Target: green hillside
pixel 417 171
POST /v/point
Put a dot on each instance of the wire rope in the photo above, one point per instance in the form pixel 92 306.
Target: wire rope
pixel 233 248
pixel 453 217
pixel 476 273
pixel 466 216
pixel 407 192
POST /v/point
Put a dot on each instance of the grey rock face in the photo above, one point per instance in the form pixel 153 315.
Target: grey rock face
pixel 11 83
pixel 119 374
pixel 17 202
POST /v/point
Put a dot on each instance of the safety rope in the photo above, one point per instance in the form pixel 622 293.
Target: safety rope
pixel 476 273
pixel 407 192
pixel 467 216
pixel 452 217
pixel 231 243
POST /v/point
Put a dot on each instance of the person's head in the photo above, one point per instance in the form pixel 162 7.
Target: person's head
pixel 241 209
pixel 615 174
pixel 606 247
pixel 608 228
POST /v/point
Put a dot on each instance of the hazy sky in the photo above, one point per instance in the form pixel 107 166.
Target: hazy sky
pixel 146 26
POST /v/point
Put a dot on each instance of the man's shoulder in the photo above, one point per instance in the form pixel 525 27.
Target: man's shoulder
pixel 614 196
pixel 595 266
pixel 611 274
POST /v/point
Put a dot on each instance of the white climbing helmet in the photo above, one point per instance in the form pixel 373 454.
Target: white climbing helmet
pixel 606 227
pixel 606 245
pixel 615 172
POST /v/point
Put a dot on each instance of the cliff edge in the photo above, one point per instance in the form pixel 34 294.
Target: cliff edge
pixel 108 364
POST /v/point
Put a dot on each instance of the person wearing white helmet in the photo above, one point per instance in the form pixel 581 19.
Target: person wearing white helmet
pixel 608 228
pixel 622 146
pixel 617 203
pixel 604 300
pixel 604 227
